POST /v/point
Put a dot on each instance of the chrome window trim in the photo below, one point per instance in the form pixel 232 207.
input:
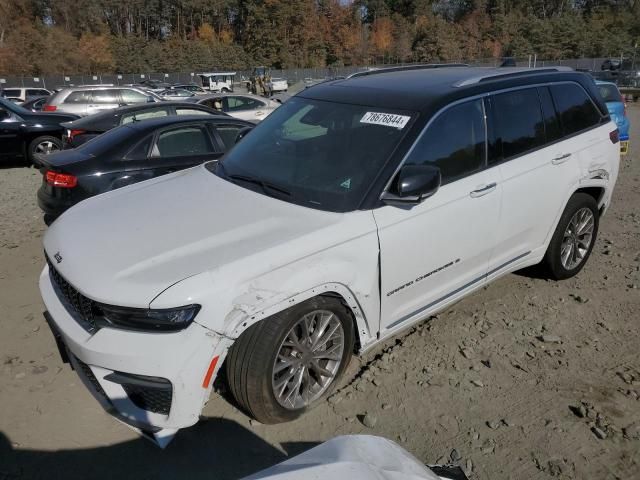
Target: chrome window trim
pixel 484 96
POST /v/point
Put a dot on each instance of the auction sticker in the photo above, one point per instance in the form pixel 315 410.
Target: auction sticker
pixel 385 119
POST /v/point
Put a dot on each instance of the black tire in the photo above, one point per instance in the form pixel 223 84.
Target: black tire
pixel 552 262
pixel 36 142
pixel 251 359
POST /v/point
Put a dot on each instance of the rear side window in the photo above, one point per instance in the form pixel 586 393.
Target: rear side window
pixel 551 122
pixel 576 110
pixel 454 142
pixel 609 92
pixel 182 141
pixel 190 111
pixel 518 121
pixel 233 104
pixel 143 115
pixel 141 150
pixel 78 97
pixel 228 134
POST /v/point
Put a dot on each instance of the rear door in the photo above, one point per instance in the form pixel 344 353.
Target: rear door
pixel 245 108
pixel 536 168
pixel 172 149
pixel 107 99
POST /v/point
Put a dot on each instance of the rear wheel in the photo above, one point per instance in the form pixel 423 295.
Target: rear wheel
pixel 284 365
pixel 43 145
pixel 574 237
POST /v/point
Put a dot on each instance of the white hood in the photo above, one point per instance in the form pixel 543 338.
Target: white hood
pixel 127 246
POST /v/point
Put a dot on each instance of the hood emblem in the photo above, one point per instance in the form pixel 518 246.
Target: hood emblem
pixel 58 257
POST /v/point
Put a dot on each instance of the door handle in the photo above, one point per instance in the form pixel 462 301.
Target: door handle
pixel 259 114
pixel 490 187
pixel 561 159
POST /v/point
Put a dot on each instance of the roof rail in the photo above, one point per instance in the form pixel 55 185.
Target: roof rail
pixel 403 68
pixel 500 73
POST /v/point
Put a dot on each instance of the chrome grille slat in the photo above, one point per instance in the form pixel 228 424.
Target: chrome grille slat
pixel 83 306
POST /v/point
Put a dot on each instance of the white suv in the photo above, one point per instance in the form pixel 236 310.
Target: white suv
pixel 355 210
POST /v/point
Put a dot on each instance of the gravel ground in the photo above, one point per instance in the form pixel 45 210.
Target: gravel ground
pixel 527 378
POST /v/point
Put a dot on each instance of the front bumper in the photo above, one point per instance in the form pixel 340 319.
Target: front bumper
pixel 110 360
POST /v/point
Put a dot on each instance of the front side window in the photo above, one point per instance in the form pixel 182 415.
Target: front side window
pixel 330 168
pixel 184 141
pixel 143 115
pixel 104 96
pixel 233 104
pixel 133 96
pixel 518 121
pixel 577 111
pixel 454 142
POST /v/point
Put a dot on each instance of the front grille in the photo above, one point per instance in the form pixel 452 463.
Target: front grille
pixel 156 400
pixel 83 306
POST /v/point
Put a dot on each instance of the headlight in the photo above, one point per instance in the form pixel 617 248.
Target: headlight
pixel 160 320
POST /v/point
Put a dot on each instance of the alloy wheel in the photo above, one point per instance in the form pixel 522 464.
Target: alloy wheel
pixel 308 359
pixel 577 238
pixel 46 147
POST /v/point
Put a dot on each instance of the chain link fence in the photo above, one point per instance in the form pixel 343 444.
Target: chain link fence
pixel 295 75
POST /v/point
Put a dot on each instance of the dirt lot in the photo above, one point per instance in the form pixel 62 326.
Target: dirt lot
pixel 527 379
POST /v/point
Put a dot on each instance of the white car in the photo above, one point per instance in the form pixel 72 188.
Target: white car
pixel 23 94
pixel 355 210
pixel 245 106
pixel 278 85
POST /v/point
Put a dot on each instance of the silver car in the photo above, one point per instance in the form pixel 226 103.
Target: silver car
pixel 89 100
pixel 244 106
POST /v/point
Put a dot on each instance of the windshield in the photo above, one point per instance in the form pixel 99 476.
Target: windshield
pixel 609 92
pixel 321 154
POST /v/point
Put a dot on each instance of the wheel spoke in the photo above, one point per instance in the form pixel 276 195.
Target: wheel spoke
pixel 281 385
pixel 321 371
pixel 283 365
pixel 332 353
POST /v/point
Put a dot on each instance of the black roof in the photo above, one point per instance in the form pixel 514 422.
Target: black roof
pixel 422 90
pixel 108 119
pixel 153 123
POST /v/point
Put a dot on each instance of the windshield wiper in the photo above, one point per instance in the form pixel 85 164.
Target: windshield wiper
pixel 266 186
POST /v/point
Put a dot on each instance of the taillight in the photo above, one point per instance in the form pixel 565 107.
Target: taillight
pixel 72 133
pixel 62 180
pixel 49 108
pixel 614 136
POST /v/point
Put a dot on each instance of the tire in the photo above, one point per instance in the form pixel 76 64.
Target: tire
pixel 564 240
pixel 251 362
pixel 45 144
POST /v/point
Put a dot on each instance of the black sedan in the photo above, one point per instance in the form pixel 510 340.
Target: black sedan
pixel 132 153
pixel 84 129
pixel 24 134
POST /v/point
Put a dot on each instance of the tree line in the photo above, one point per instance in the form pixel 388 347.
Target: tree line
pixel 117 36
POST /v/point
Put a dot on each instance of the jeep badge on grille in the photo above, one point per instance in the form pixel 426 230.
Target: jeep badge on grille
pixel 58 257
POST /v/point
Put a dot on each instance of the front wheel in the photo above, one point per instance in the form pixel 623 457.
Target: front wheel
pixel 284 365
pixel 574 237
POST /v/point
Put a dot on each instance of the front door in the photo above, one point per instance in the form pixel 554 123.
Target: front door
pixel 10 135
pixel 434 252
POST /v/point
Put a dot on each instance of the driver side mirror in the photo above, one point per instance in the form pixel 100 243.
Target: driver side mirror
pixel 242 133
pixel 413 184
pixel 150 99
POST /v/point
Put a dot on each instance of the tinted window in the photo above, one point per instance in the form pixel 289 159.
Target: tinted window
pixel 133 96
pixel 228 134
pixel 518 121
pixel 551 122
pixel 609 92
pixel 454 142
pixel 577 111
pixel 190 111
pixel 182 142
pixel 141 150
pixel 104 96
pixel 233 104
pixel 143 115
pixel 11 92
pixel 78 97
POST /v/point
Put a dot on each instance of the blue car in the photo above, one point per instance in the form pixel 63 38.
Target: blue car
pixel 618 111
